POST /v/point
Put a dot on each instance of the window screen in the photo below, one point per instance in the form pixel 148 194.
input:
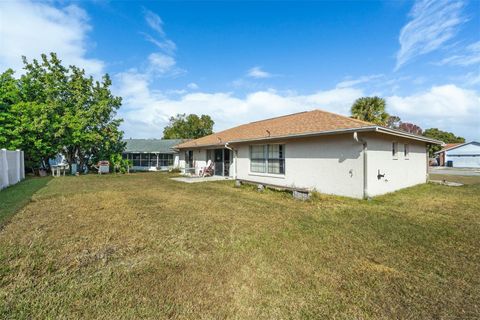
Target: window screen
pixel 267 158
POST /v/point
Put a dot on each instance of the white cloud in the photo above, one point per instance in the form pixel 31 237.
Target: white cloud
pixel 193 86
pixel 161 41
pixel 32 28
pixel 349 82
pixel 258 73
pixel 470 56
pixel 432 24
pixel 447 107
pixel 166 45
pixel 160 62
pixel 155 22
pixel 472 78
pixel 146 111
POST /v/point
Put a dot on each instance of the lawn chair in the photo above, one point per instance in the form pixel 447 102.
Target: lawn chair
pixel 208 170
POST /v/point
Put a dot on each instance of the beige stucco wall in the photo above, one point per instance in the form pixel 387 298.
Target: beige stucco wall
pixel 328 164
pixel 199 160
pixel 334 164
pixel 400 172
pixel 181 160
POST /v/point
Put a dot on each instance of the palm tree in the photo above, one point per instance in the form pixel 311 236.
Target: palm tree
pixel 370 109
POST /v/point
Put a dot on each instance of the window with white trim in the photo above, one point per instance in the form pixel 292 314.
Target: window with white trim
pixel 395 150
pixel 267 158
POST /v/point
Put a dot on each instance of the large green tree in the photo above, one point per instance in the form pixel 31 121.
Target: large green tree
pixel 188 127
pixel 9 96
pixel 393 122
pixel 371 109
pixel 445 136
pixel 55 109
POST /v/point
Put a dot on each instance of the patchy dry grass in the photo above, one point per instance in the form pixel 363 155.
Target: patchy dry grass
pixel 141 245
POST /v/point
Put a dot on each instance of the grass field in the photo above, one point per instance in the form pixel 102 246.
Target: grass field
pixel 14 198
pixel 141 245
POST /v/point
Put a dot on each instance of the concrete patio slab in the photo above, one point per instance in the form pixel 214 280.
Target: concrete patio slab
pixel 447 183
pixel 194 179
pixel 455 171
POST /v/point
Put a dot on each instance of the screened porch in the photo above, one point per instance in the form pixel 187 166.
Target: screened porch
pixel 150 161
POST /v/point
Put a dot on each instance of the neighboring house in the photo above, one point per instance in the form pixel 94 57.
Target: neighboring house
pixel 440 155
pixel 314 150
pixel 460 155
pixel 152 154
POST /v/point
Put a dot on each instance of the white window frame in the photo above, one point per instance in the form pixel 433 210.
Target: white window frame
pixel 266 159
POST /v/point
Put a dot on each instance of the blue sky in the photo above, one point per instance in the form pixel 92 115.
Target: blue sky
pixel 244 61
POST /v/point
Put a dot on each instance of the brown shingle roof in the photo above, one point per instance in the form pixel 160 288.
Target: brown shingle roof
pixel 294 124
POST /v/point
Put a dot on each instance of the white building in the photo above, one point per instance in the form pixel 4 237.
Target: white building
pixel 152 154
pixel 314 150
pixel 460 155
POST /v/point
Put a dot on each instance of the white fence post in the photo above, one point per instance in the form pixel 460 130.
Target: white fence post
pixel 17 158
pixel 22 164
pixel 12 167
pixel 1 170
pixel 4 173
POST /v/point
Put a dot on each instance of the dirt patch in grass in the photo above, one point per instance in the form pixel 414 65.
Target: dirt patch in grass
pixel 141 245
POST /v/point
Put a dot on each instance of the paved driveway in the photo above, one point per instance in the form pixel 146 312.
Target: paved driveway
pixel 455 171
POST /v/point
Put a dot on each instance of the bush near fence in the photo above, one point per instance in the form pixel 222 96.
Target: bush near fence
pixel 12 167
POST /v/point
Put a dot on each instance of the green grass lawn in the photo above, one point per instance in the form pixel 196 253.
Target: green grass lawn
pixel 143 246
pixel 15 197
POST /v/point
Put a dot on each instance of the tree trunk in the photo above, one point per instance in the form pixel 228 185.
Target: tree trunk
pixel 81 162
pixel 46 163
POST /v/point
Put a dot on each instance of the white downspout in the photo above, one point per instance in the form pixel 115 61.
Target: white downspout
pixel 235 158
pixel 365 163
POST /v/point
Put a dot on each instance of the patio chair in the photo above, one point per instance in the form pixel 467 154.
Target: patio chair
pixel 208 170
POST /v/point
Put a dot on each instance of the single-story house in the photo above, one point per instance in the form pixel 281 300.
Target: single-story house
pixel 314 150
pixel 460 155
pixel 439 156
pixel 152 154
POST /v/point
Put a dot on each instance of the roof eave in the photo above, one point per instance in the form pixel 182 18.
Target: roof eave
pixel 455 147
pixel 306 135
pixel 321 133
pixel 408 135
pixel 179 147
pixel 143 151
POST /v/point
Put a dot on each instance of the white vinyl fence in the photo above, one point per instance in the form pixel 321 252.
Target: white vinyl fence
pixel 12 167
